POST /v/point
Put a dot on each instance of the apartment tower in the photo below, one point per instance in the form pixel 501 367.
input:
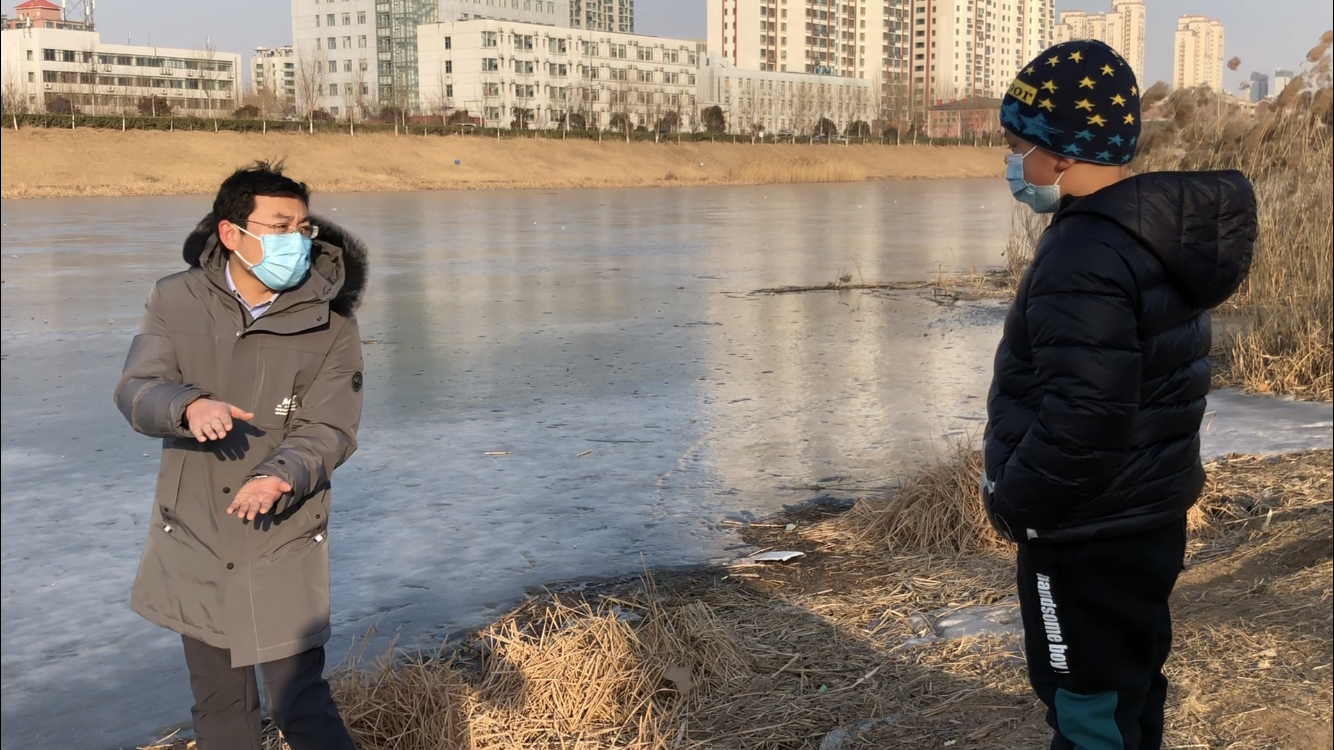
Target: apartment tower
pixel 922 52
pixel 603 15
pixel 1199 53
pixel 1122 29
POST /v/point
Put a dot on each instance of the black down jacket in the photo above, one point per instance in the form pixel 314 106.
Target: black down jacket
pixel 1094 412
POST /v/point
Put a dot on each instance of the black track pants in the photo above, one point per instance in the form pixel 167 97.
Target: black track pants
pixel 1097 631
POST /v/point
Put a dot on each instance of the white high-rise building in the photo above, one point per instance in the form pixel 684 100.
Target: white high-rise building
pixel 1282 77
pixel 362 54
pixel 975 49
pixel 273 70
pixel 1199 53
pixel 921 52
pixel 1122 29
pixel 603 15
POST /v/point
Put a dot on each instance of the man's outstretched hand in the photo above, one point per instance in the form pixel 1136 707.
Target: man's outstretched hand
pixel 212 420
pixel 257 497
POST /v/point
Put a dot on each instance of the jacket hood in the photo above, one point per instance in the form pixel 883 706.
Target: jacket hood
pixel 1200 225
pixel 337 254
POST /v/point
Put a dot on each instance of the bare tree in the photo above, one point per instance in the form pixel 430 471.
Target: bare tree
pixel 88 74
pixel 312 71
pixel 14 93
pixel 357 109
pixel 440 99
pixel 207 76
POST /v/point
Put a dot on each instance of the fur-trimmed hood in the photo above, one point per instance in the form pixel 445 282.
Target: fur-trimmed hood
pixel 338 255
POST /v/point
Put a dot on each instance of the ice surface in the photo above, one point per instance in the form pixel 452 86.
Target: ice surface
pixel 630 333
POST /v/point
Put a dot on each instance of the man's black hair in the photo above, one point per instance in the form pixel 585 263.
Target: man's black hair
pixel 236 198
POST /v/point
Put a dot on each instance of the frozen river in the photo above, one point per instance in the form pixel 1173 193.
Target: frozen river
pixel 539 324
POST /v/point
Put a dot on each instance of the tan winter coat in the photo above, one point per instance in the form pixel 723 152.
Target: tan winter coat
pixel 260 589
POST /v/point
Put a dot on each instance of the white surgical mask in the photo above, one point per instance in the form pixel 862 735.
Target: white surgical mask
pixel 1043 199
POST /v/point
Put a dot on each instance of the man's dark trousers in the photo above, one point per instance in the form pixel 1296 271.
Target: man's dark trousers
pixel 226 713
pixel 1097 631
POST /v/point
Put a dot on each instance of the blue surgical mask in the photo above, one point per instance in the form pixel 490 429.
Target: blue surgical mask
pixel 286 260
pixel 1043 199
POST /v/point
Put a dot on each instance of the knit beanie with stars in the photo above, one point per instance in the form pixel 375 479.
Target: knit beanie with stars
pixel 1078 99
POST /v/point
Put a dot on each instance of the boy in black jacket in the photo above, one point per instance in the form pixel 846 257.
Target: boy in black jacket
pixel 1092 447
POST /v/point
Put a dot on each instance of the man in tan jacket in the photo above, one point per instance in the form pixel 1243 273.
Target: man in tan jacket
pixel 248 367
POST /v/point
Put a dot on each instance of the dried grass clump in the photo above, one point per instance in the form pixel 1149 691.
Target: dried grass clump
pixel 937 510
pixel 1240 489
pixel 419 704
pixel 796 170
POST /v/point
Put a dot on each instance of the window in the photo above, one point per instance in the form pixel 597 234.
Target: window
pixel 347 89
pixel 590 49
pixel 361 41
pixel 347 42
pixel 347 66
pixel 490 89
pixel 449 43
pixel 362 65
pixel 49 55
pixel 490 65
pixel 489 39
pixel 347 19
pixel 366 89
pixel 317 20
pixel 333 89
pixel 333 66
pixel 361 17
pixel 523 67
pixel 333 111
pixel 449 90
pixel 333 42
pixel 329 20
pixel 30 57
pixel 644 53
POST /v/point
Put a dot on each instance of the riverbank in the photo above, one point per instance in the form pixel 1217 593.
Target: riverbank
pixel 864 640
pixel 41 163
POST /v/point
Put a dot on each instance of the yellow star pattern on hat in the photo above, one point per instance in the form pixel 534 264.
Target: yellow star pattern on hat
pixel 1030 70
pixel 1107 70
pixel 1134 91
pixel 1084 104
pixel 1097 120
pixel 1047 105
pixel 1077 56
pixel 1053 61
pixel 1050 86
pixel 1130 119
pixel 1087 83
pixel 1119 100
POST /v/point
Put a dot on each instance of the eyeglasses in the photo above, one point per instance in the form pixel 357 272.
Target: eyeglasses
pixel 309 231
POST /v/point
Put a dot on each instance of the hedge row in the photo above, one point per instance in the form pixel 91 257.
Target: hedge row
pixel 234 125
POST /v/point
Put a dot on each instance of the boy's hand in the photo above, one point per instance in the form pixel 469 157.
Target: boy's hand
pixel 212 420
pixel 257 497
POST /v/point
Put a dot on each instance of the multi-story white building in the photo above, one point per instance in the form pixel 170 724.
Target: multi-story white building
pixel 63 67
pixel 361 54
pixel 1282 77
pixel 603 15
pixel 777 102
pixel 1199 53
pixel 527 75
pixel 273 71
pixel 1122 29
pixel 976 48
pixel 922 52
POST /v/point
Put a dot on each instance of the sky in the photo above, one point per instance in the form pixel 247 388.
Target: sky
pixel 1265 34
